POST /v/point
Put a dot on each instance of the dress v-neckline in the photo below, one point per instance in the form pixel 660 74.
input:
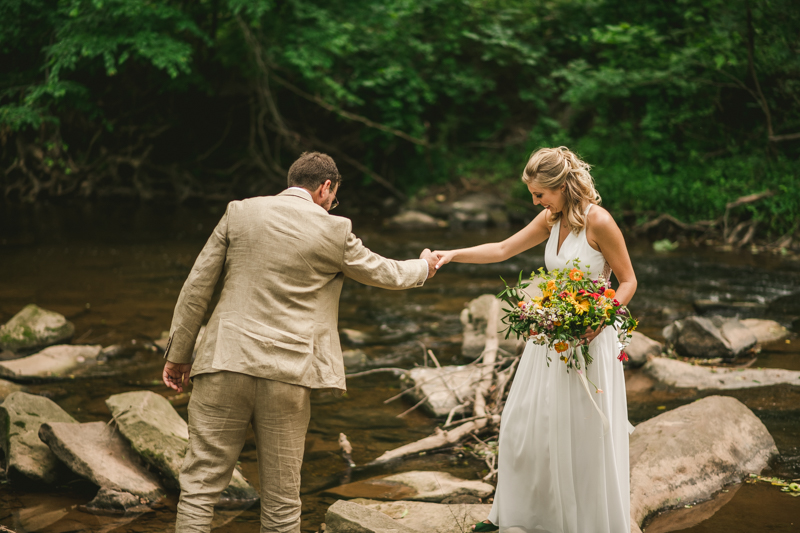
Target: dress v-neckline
pixel 560 245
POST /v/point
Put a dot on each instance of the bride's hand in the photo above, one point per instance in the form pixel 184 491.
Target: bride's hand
pixel 590 334
pixel 443 257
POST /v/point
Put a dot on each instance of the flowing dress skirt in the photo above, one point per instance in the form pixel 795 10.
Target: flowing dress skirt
pixel 558 472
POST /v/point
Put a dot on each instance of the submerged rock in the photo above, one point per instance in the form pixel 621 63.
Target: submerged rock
pixel 160 436
pixel 640 348
pixel 474 318
pixel 416 486
pixel 349 517
pixel 22 414
pixel 426 517
pixel 709 338
pixel 429 383
pixel 97 452
pixel 112 500
pixel 34 327
pixel 52 362
pixel 689 453
pixel 688 376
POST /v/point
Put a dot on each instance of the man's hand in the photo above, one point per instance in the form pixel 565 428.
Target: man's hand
pixel 428 256
pixel 176 376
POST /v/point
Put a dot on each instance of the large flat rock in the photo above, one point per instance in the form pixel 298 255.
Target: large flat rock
pixel 685 375
pixel 98 452
pixel 160 436
pixel 34 327
pixel 22 414
pixel 427 517
pixel 52 362
pixel 349 517
pixel 445 388
pixel 416 486
pixel 691 452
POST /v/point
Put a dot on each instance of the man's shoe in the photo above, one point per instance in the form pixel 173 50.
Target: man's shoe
pixel 484 527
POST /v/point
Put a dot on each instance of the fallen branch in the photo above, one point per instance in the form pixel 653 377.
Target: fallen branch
pixel 395 371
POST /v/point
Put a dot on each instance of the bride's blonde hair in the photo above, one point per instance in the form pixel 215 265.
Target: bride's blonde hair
pixel 554 168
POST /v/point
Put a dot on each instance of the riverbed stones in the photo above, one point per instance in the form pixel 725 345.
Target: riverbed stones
pixel 708 338
pixel 689 453
pixel 688 376
pixel 478 211
pixel 443 389
pixel 21 416
pixel 766 331
pixel 160 436
pixel 640 348
pixel 353 336
pixel 413 220
pixel 423 486
pixel 98 452
pixel 354 358
pixel 52 362
pixel 426 517
pixel 112 500
pixel 34 327
pixel 474 317
pixel 349 517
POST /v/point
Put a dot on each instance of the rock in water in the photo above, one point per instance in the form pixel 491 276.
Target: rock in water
pixel 22 414
pixel 687 376
pixel 474 318
pixel 349 517
pixel 709 338
pixel 640 348
pixel 427 517
pixel 34 327
pixel 765 331
pixel 55 361
pixel 7 387
pixel 112 500
pixel 412 220
pixel 160 436
pixel 98 452
pixel 416 486
pixel 691 452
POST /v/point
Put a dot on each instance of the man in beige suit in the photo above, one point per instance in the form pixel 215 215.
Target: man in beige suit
pixel 271 339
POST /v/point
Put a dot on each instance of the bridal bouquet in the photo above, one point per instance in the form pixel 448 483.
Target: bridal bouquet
pixel 570 303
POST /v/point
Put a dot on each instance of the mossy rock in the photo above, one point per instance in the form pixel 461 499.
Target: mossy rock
pixel 34 327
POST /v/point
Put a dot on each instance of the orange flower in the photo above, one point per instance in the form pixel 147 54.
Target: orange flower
pixel 561 346
pixel 520 304
pixel 551 286
pixel 575 274
pixel 610 293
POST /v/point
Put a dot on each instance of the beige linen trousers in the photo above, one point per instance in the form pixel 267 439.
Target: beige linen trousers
pixel 271 339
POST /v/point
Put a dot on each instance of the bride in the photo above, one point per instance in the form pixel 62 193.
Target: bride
pixel 559 470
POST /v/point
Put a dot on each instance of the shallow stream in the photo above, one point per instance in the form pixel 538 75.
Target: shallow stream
pixel 116 271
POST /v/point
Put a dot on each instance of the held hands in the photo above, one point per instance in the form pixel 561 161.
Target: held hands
pixel 176 376
pixel 443 257
pixel 428 256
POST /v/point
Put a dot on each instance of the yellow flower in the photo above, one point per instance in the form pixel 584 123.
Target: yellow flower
pixel 551 286
pixel 582 306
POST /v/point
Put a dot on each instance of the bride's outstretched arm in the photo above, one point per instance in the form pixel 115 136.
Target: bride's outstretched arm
pixel 494 252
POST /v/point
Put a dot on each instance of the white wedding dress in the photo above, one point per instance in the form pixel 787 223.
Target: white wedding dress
pixel 558 470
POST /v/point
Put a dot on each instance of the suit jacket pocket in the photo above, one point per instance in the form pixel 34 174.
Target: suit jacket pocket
pixel 262 351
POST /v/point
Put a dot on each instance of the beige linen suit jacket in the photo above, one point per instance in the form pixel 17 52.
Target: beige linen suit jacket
pixel 283 260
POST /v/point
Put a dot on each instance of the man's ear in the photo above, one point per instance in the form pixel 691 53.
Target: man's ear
pixel 326 187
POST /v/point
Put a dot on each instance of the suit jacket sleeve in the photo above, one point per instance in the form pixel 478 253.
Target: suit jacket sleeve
pixel 369 268
pixel 196 294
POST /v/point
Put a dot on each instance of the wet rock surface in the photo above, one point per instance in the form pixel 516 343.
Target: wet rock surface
pixel 697 336
pixel 160 436
pixel 425 517
pixel 443 389
pixel 112 500
pixel 53 362
pixel 686 375
pixel 99 453
pixel 34 327
pixel 414 486
pixel 24 452
pixel 691 452
pixel 766 331
pixel 474 318
pixel 349 517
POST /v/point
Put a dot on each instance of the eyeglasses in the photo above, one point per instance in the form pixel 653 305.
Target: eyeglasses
pixel 334 204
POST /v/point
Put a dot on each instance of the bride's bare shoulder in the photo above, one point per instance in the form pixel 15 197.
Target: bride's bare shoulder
pixel 600 217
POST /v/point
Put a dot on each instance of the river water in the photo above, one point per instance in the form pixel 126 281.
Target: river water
pixel 115 270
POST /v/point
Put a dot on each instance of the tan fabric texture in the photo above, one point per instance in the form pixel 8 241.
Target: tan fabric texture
pixel 282 260
pixel 223 404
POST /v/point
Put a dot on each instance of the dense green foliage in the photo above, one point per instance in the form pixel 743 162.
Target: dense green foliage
pixel 681 106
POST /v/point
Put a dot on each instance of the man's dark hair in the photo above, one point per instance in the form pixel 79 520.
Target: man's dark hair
pixel 312 169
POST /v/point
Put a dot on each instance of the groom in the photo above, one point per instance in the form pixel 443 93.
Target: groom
pixel 271 338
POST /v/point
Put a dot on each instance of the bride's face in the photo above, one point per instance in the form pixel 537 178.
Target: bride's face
pixel 551 199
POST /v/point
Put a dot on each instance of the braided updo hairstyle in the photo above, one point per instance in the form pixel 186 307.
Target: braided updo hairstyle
pixel 552 168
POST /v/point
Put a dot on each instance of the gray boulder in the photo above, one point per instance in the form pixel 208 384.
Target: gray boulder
pixel 414 220
pixel 52 362
pixel 22 414
pixel 160 436
pixel 444 388
pixel 99 453
pixel 709 338
pixel 640 348
pixel 766 331
pixel 349 517
pixel 687 376
pixel 426 517
pixel 354 358
pixel 34 327
pixel 474 318
pixel 477 211
pixel 691 452
pixel 415 486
